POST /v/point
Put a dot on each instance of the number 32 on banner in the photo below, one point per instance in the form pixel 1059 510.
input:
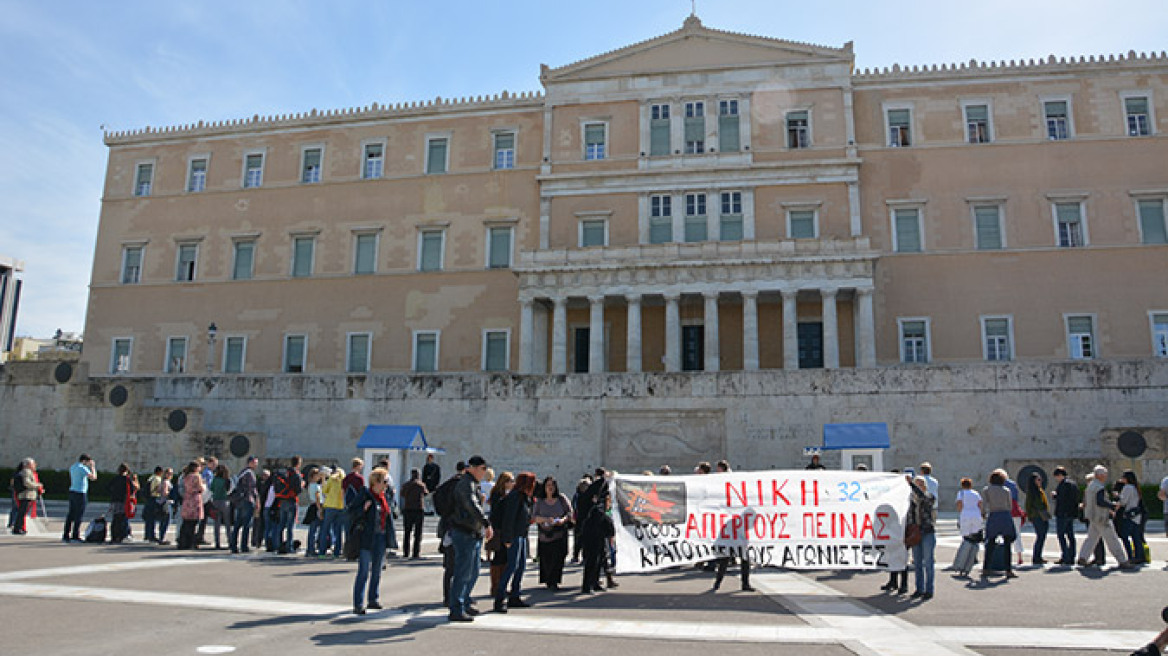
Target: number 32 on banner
pixel 851 492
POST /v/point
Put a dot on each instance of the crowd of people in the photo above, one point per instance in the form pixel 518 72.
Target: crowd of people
pixel 487 517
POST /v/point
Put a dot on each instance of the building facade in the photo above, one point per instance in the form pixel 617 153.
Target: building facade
pixel 10 287
pixel 703 200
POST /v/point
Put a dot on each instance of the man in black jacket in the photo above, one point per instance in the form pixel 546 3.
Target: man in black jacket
pixel 431 473
pixel 467 528
pixel 1066 509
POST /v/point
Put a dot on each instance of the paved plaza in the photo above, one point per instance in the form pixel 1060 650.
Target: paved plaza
pixel 141 598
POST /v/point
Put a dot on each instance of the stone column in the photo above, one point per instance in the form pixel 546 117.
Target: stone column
pixel 830 329
pixel 866 328
pixel 560 335
pixel 596 335
pixel 750 330
pixel 633 354
pixel 526 335
pixel 790 330
pixel 672 333
pixel 713 357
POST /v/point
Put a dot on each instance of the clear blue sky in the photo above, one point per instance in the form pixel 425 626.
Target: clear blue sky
pixel 68 67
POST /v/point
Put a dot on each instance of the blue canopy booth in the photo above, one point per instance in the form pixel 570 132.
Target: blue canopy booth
pixel 404 446
pixel 858 444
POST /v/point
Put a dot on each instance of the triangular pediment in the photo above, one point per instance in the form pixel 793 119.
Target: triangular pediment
pixel 695 47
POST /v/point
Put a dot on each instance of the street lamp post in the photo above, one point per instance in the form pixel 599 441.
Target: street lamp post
pixel 212 330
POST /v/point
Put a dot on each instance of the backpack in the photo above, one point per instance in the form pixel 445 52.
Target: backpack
pixel 175 493
pixel 443 497
pixel 235 496
pixel 282 483
pixel 17 483
pixel 95 532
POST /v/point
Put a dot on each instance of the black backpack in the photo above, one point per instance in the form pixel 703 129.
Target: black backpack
pixel 444 497
pixel 17 483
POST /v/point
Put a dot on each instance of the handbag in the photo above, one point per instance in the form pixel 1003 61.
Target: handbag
pixel 976 538
pixel 353 541
pixel 912 535
pixel 310 515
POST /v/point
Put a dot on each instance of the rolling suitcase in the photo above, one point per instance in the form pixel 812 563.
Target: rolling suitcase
pixel 966 557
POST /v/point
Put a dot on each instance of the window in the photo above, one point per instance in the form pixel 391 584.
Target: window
pixel 1081 337
pixel 996 337
pixel 660 219
pixel 144 179
pixel 243 266
pixel 496 350
pixel 253 170
pixel 1069 224
pixel 358 353
pixel 801 224
pixel 593 232
pixel 303 253
pixel 977 123
pixel 987 221
pixel 374 161
pixel 899 128
pixel 1160 334
pixel 914 341
pixel 132 264
pixel 906 226
pixel 1152 228
pixel 1057 119
pixel 504 150
pixel 176 355
pixel 695 128
pixel 431 245
pixel 594 140
pixel 696 227
pixel 197 175
pixel 426 351
pixel 1139 122
pixel 499 247
pixel 295 353
pixel 798 129
pixel 436 154
pixel 120 355
pixel 660 131
pixel 234 353
pixel 730 219
pixel 728 140
pixel 188 255
pixel 310 165
pixel 365 253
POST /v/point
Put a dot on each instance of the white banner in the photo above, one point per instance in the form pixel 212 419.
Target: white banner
pixel 804 519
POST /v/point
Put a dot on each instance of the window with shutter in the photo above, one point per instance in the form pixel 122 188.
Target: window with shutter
pixel 899 128
pixel 244 264
pixel 374 161
pixel 436 156
pixel 294 353
pixel 499 248
pixel 188 255
pixel 730 218
pixel 365 257
pixel 197 177
pixel 1138 117
pixel 1081 336
pixel 988 225
pixel 728 140
pixel 997 339
pixel 914 342
pixel 908 230
pixel 1152 227
pixel 426 352
pixel 144 180
pixel 593 232
pixel 660 131
pixel 504 150
pixel 358 353
pixel 695 128
pixel 660 219
pixel 696 225
pixel 1160 335
pixel 120 356
pixel 1069 218
pixel 176 355
pixel 302 254
pixel 132 265
pixel 253 173
pixel 802 224
pixel 594 141
pixel 977 122
pixel 430 255
pixel 798 129
pixel 495 350
pixel 233 350
pixel 310 171
pixel 1057 120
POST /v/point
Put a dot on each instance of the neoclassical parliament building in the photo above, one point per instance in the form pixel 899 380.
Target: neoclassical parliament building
pixel 700 201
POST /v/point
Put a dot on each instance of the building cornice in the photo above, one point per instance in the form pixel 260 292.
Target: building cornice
pixel 974 69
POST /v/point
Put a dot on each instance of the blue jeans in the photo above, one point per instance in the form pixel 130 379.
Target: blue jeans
pixel 923 560
pixel 244 513
pixel 77 503
pixel 1065 528
pixel 334 531
pixel 516 564
pixel 288 512
pixel 466 548
pixel 1041 527
pixel 369 568
pixel 314 545
pixel 272 529
pixel 1131 534
pixel 163 519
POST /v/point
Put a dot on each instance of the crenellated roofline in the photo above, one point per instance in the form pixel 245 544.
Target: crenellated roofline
pixel 980 69
pixel 321 118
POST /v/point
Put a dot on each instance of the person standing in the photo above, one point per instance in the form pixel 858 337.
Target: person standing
pixel 220 488
pixel 1066 510
pixel 192 505
pixel 122 489
pixel 1131 518
pixel 150 514
pixel 553 514
pixel 516 514
pixel 314 513
pixel 80 474
pixel 923 513
pixel 930 482
pixel 997 504
pixel 493 549
pixel 815 463
pixel 334 513
pixel 467 528
pixel 164 506
pixel 370 510
pixel 1099 512
pixel 1163 496
pixel 431 474
pixel 1038 510
pixel 287 487
pixel 210 463
pixel 1016 516
pixel 29 488
pixel 413 495
pixel 244 498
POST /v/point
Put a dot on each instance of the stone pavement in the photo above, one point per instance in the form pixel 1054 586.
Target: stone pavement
pixel 90 599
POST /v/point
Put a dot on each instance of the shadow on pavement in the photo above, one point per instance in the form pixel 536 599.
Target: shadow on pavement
pixel 371 636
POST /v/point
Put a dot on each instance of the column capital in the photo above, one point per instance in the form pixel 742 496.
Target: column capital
pixel 828 292
pixel 749 293
pixel 672 297
pixel 526 299
pixel 788 293
pixel 710 296
pixel 596 299
pixel 634 298
pixel 560 301
pixel 864 291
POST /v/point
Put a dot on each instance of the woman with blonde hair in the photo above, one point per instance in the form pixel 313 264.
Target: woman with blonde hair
pixel 370 512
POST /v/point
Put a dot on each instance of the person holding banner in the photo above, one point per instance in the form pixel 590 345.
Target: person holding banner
pixel 897 578
pixel 923 513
